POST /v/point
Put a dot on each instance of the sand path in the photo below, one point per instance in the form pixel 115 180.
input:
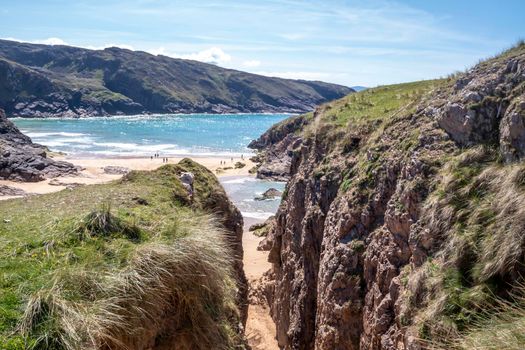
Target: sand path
pixel 260 328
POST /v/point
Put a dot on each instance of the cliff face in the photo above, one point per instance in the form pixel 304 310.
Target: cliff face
pixel 402 219
pixel 44 81
pixel 22 160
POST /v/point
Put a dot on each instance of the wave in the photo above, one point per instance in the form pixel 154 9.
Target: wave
pixel 240 180
pixel 257 215
pixel 57 133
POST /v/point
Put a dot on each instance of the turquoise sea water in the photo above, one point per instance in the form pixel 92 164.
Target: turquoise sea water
pixel 242 190
pixel 169 135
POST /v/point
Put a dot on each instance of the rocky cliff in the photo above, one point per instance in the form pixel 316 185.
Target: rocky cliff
pixel 402 224
pixel 22 160
pixel 43 81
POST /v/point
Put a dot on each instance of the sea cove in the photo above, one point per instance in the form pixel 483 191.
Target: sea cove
pixel 224 135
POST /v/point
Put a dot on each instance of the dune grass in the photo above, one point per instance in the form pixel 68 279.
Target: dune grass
pixel 470 284
pixel 107 266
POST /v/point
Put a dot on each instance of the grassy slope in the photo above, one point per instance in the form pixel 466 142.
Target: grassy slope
pixel 46 240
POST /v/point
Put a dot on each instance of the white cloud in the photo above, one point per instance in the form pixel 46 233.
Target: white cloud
pixel 159 51
pixel 296 75
pixel 50 41
pixel 214 55
pixel 251 63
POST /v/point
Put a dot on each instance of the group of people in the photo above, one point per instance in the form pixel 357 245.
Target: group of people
pixel 164 159
pixel 223 162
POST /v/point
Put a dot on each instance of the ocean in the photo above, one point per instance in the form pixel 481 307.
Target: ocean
pixel 243 190
pixel 169 135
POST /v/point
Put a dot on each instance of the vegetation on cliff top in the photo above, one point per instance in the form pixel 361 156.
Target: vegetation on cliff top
pixel 108 265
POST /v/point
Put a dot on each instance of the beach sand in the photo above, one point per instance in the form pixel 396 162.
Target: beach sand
pixel 260 328
pixel 93 172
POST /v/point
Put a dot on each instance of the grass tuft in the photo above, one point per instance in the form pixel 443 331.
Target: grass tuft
pixel 102 223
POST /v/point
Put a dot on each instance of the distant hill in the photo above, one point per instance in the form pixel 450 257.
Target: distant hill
pixel 358 88
pixel 43 81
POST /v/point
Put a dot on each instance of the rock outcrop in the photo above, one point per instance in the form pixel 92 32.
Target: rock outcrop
pixel 11 191
pixel 270 193
pixel 383 219
pixel 22 160
pixel 275 148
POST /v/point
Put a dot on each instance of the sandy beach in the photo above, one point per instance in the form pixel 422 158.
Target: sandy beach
pixel 93 172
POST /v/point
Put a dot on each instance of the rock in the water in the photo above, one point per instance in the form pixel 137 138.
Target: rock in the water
pixel 116 170
pixel 269 194
pixel 22 160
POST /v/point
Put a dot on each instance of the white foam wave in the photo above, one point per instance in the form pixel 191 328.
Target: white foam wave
pixel 240 180
pixel 257 215
pixel 48 134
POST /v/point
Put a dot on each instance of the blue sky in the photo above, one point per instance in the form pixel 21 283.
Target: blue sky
pixel 348 42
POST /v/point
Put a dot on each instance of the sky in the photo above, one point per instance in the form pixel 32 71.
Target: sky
pixel 365 43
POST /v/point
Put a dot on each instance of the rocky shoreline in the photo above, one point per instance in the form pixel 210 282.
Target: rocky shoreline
pixel 23 160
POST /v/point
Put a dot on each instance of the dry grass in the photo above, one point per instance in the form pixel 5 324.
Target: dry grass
pixel 102 223
pixel 503 328
pixel 477 218
pixel 182 293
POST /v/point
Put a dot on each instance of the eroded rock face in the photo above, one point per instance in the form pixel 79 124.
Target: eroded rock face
pixel 486 106
pixel 276 147
pixel 22 160
pixel 339 252
pixel 512 137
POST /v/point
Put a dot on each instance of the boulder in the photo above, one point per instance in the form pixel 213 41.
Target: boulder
pixel 512 131
pixel 271 193
pixel 116 170
pixel 187 181
pixel 23 160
